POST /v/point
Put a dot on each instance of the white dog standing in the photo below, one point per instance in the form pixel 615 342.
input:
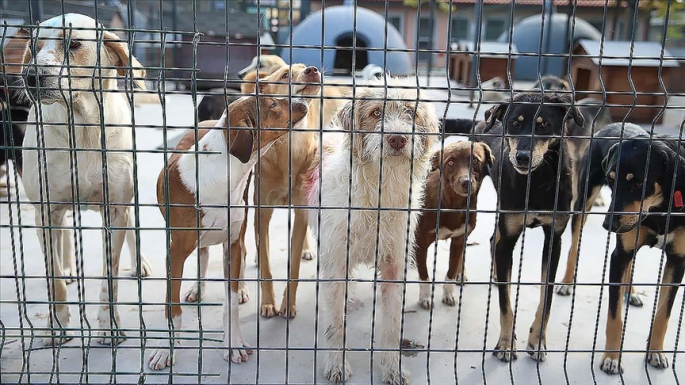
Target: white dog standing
pixel 64 75
pixel 397 133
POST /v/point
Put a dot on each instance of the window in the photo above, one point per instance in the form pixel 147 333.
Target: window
pixel 494 28
pixel 426 41
pixel 219 5
pixel 460 29
pixel 397 22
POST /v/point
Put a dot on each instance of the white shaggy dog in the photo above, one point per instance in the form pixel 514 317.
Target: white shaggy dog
pixel 403 147
pixel 63 74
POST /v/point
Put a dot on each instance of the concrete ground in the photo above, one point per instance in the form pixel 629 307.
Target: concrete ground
pixel 455 338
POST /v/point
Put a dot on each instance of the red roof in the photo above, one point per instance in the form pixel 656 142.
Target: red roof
pixel 579 3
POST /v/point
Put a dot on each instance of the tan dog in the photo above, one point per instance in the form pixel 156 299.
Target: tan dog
pixel 240 149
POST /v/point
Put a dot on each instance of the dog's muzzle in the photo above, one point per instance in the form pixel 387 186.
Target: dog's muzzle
pixel 37 84
pixel 397 142
pixel 614 225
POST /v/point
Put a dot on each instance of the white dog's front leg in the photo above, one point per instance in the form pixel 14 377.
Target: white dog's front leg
pixel 237 349
pixel 109 321
pixel 391 319
pixel 337 368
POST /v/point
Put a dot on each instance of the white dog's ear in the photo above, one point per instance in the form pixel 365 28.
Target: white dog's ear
pixel 344 116
pixel 16 52
pixel 120 48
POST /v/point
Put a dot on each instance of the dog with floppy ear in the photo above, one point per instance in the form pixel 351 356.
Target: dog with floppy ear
pixel 531 172
pixel 222 183
pixel 58 65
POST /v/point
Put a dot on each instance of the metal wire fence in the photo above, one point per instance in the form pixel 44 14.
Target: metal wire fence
pixel 182 125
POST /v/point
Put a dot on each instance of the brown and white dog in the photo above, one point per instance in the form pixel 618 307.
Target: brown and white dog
pixel 59 78
pixel 460 169
pixel 393 129
pixel 240 150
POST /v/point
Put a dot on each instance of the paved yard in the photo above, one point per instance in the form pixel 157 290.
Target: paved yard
pixel 576 325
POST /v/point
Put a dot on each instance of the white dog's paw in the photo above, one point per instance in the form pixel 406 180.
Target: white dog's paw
pixel 160 359
pixel 449 299
pixel 110 337
pixel 238 355
pixel 145 268
pixel 425 303
pixel 395 377
pixel 564 290
pixel 193 294
pixel 57 337
pixel 307 255
pixel 461 279
pixel 338 374
pixel 611 365
pixel 243 293
pixel 657 360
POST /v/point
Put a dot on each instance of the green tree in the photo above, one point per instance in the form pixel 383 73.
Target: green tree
pixel 443 5
pixel 676 15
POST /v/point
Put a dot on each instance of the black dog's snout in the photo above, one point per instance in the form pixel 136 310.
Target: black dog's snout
pixel 614 223
pixel 523 158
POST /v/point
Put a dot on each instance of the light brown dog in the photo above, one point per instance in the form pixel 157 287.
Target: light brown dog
pixel 180 190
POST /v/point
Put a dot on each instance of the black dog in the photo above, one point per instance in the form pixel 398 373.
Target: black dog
pixel 531 148
pixel 212 106
pixel 644 192
pixel 14 112
pixel 587 185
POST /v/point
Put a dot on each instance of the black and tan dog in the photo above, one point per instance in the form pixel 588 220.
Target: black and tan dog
pixel 647 185
pixel 587 185
pixel 525 137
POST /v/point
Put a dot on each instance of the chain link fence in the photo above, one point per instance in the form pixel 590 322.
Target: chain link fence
pixel 228 149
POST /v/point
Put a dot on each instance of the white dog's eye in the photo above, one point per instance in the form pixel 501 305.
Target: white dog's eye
pixel 285 75
pixel 274 104
pixel 450 163
pixel 74 44
pixel 377 113
pixel 409 112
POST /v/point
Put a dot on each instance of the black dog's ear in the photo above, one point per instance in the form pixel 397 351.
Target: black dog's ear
pixel 494 114
pixel 609 159
pixel 572 110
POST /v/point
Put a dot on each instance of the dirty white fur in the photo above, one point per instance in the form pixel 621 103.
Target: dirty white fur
pixel 48 177
pixel 395 228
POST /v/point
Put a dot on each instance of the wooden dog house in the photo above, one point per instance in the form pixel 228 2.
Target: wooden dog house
pixel 494 61
pixel 616 68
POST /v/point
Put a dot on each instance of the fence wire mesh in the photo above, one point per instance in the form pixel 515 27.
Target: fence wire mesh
pixel 341 151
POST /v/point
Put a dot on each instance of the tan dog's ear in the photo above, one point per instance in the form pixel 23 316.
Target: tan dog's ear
pixel 16 52
pixel 120 48
pixel 241 141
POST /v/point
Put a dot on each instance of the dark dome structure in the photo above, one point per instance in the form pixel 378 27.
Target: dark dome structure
pixel 526 37
pixel 339 32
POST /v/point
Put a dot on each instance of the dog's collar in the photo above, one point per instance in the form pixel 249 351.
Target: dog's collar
pixel 678 199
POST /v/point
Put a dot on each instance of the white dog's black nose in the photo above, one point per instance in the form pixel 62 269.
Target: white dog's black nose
pixel 397 141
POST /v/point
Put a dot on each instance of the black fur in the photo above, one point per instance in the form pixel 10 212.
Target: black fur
pixel 14 112
pixel 550 180
pixel 213 106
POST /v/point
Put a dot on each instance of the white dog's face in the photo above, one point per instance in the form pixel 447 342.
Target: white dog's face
pixel 391 125
pixel 57 58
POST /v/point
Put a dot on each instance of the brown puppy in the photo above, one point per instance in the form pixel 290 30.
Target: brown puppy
pixel 180 191
pixel 463 168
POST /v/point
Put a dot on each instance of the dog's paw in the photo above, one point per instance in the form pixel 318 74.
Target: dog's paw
pixel 564 290
pixel 657 360
pixel 268 310
pixel 461 278
pixel 337 374
pixel 449 299
pixel 110 337
pixel 145 268
pixel 238 355
pixel 307 255
pixel 611 365
pixel 69 275
pixel 537 354
pixel 243 293
pixel 505 351
pixel 160 359
pixel 288 311
pixel 425 303
pixel 635 300
pixel 193 294
pixel 57 337
pixel 395 377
